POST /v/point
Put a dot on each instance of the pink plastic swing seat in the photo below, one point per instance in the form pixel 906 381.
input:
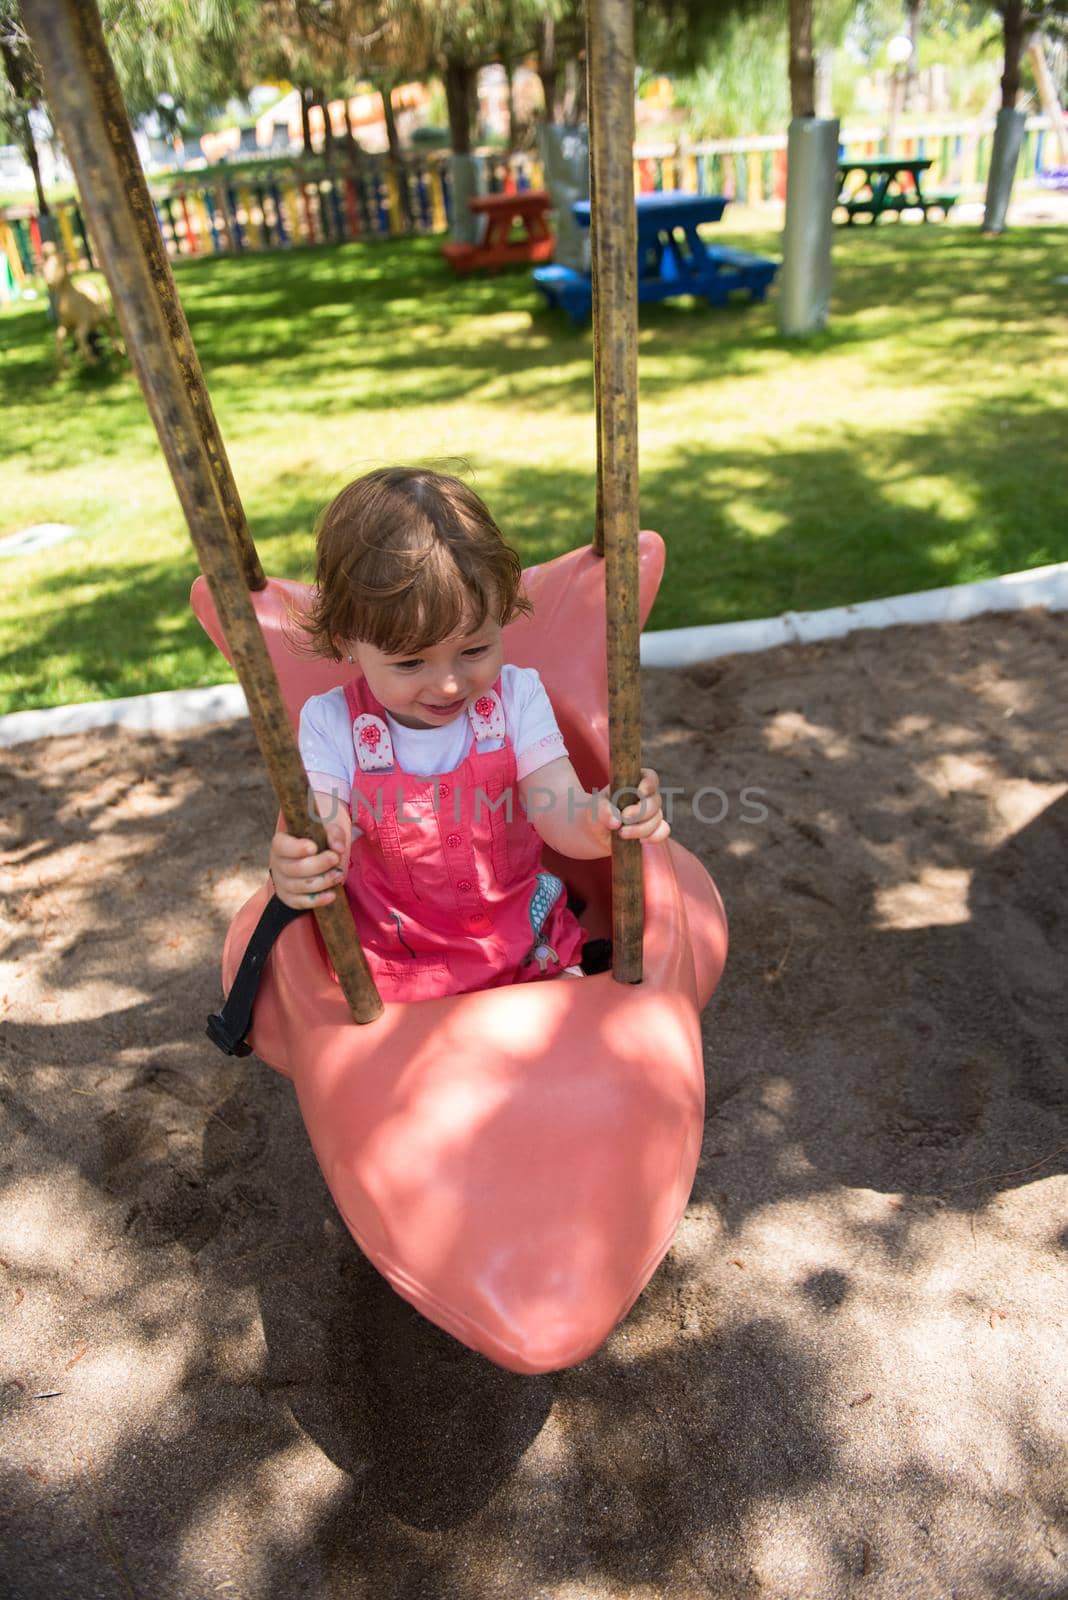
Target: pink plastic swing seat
pixel 514 1161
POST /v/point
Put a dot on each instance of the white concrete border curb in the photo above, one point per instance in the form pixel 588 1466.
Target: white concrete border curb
pixel 682 647
pixel 174 709
pixel 163 712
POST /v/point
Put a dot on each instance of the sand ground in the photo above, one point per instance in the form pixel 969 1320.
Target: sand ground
pixel 850 1376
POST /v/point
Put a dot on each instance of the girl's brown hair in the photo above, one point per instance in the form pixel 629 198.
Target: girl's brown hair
pixel 405 557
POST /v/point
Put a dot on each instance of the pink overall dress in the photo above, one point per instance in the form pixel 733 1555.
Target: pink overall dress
pixel 445 881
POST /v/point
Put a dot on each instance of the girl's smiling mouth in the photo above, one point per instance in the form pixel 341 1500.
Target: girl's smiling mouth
pixel 454 705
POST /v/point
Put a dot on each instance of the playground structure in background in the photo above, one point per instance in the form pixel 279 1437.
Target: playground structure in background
pixel 286 206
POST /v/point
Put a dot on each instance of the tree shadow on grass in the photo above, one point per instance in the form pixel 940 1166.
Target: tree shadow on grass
pixel 390 322
pixel 339 308
pixel 951 499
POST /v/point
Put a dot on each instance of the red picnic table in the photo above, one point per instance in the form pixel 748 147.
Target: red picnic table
pixel 497 248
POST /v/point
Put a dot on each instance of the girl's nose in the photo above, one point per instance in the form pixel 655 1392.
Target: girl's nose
pixel 449 687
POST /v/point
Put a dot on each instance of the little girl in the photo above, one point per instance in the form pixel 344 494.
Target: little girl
pixel 439 773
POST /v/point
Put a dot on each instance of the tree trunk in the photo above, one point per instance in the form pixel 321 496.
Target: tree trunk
pixel 472 103
pixel 912 64
pixel 574 104
pixel 802 63
pixel 513 132
pixel 460 79
pixel 548 66
pixel 392 138
pixel 569 108
pixel 321 99
pixel 353 148
pixel 396 160
pixel 549 81
pixel 1012 18
pixel 29 150
pixel 16 77
pixel 305 120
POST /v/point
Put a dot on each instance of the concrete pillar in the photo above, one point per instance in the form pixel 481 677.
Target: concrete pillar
pixel 1008 137
pixel 565 154
pixel 467 176
pixel 811 192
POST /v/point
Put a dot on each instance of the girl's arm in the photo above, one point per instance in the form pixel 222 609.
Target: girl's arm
pixel 304 876
pixel 581 825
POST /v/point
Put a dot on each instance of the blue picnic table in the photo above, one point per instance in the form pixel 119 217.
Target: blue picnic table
pixel 673 258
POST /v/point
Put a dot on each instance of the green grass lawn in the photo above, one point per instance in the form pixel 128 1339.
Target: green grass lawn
pixel 920 441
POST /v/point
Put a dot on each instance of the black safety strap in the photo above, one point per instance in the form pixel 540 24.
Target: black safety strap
pixel 596 956
pixel 227 1028
pixel 596 953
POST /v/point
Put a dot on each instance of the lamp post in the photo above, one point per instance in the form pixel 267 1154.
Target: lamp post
pixel 898 52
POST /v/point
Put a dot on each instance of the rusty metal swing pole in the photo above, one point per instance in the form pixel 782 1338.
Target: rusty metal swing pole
pixel 614 251
pixel 591 135
pixel 85 100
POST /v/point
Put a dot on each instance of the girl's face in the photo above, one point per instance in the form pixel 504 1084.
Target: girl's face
pixel 433 686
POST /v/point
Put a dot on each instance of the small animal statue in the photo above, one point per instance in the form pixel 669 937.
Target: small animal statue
pixel 82 311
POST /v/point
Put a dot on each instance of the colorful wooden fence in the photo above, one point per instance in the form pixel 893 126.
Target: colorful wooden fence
pixel 13 264
pixel 753 171
pixel 286 207
pixel 278 209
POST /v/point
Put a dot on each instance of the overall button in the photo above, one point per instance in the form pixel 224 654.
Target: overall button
pixel 479 917
pixel 453 840
pixel 463 884
pixel 444 790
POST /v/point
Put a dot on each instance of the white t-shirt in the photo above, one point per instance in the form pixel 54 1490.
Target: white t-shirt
pixel 330 760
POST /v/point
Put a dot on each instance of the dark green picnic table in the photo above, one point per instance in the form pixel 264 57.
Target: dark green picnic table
pixel 872 186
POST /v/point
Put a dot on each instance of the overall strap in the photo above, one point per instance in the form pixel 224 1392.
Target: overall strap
pixel 486 716
pixel 374 756
pixel 370 736
pixel 374 747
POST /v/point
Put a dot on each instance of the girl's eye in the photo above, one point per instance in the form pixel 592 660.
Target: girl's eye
pixel 407 666
pixel 477 650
